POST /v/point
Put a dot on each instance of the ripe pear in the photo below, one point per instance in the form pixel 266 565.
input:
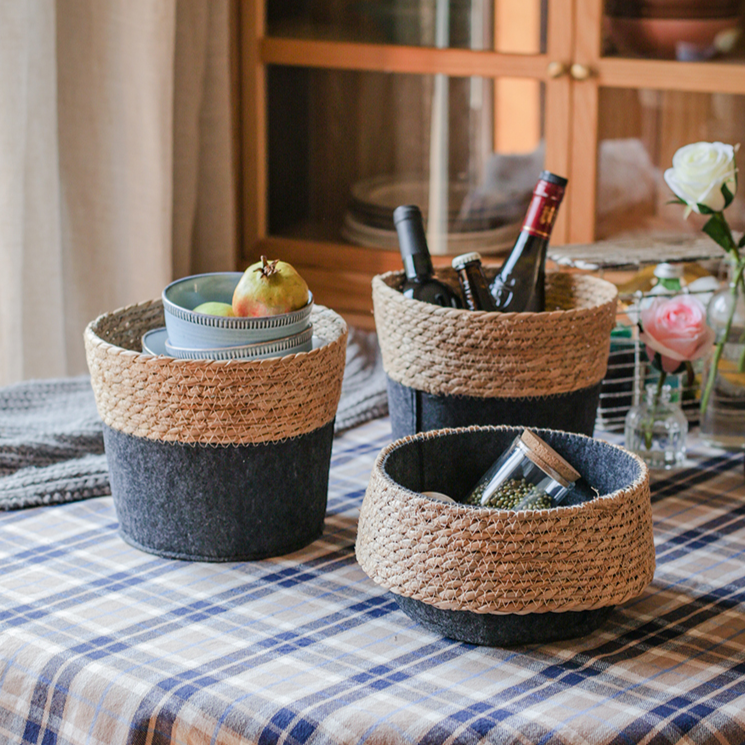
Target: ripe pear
pixel 214 308
pixel 269 288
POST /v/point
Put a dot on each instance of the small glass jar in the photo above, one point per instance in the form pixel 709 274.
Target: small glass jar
pixel 656 429
pixel 528 475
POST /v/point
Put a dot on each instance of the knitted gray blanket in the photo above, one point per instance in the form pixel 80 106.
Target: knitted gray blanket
pixel 51 441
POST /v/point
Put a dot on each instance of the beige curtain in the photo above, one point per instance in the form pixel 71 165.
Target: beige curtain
pixel 115 164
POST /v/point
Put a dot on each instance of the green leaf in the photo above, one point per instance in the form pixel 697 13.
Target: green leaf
pixel 716 228
pixel 704 210
pixel 728 196
pixel 677 200
pixel 741 243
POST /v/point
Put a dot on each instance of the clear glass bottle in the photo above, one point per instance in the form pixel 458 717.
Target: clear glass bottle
pixel 529 474
pixel 656 429
pixel 722 424
pixel 669 278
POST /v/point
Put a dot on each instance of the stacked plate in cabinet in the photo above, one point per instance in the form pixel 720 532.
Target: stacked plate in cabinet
pixel 487 225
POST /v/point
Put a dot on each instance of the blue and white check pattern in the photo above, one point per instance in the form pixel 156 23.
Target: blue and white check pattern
pixel 101 643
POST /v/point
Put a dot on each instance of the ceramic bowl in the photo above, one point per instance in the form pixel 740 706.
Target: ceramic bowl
pixel 670 38
pixel 673 8
pixel 300 342
pixel 154 341
pixel 194 331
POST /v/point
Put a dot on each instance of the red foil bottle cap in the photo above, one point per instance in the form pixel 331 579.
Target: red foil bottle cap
pixel 547 196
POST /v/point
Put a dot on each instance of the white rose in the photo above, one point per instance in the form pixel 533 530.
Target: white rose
pixel 698 172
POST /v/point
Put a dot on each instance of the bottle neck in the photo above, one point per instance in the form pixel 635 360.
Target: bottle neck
pixel 543 209
pixel 413 243
pixel 665 394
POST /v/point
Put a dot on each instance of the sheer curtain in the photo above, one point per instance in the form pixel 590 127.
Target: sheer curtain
pixel 115 164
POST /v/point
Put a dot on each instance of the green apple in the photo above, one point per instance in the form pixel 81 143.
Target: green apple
pixel 213 308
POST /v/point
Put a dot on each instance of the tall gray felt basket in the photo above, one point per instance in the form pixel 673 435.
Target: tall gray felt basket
pixel 455 368
pixel 213 460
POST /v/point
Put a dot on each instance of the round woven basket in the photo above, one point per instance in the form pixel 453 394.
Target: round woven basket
pixel 216 460
pixel 466 353
pixel 593 553
pixel 206 401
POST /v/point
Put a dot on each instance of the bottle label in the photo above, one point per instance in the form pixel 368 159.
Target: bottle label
pixel 541 214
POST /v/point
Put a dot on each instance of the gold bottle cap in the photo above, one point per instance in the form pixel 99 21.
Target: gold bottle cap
pixel 545 457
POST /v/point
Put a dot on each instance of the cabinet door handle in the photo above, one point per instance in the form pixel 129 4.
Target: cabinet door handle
pixel 580 72
pixel 556 69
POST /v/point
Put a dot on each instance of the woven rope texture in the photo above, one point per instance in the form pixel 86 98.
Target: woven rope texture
pixel 205 401
pixel 497 355
pixel 583 557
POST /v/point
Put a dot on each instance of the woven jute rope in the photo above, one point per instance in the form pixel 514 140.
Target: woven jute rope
pixel 213 402
pixel 497 355
pixel 455 557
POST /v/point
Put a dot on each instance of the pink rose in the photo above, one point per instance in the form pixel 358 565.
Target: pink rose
pixel 676 328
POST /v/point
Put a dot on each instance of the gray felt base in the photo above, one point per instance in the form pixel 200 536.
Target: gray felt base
pixel 232 503
pixel 452 463
pixel 508 630
pixel 413 411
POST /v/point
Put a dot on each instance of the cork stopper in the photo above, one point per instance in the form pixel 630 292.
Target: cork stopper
pixel 546 458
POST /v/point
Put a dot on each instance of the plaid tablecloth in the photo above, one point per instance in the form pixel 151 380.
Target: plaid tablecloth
pixel 100 643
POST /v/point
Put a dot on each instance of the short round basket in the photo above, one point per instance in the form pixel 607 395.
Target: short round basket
pixel 500 577
pixel 216 460
pixel 448 367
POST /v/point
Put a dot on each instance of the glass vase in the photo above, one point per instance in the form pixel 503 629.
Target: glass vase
pixel 656 429
pixel 722 422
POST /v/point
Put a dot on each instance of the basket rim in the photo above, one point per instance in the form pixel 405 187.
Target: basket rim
pixel 384 282
pixel 464 509
pixel 217 402
pixel 458 352
pixel 94 338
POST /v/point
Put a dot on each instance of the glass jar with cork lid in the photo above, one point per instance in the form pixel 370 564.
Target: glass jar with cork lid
pixel 528 475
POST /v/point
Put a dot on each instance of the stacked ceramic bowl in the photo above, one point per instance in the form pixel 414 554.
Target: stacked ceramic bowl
pixel 192 335
pixel 683 29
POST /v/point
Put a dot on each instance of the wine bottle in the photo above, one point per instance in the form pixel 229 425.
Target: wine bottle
pixel 473 282
pixel 420 283
pixel 519 285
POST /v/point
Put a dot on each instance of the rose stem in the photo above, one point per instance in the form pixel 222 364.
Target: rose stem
pixel 720 345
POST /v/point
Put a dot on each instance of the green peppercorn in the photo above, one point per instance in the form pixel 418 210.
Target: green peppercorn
pixel 511 493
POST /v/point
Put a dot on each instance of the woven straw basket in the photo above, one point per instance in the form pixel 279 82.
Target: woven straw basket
pixel 491 368
pixel 500 577
pixel 216 460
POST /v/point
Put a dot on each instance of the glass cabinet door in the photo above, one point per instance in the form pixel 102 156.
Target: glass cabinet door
pixel 635 150
pixel 659 75
pixel 345 146
pixel 352 107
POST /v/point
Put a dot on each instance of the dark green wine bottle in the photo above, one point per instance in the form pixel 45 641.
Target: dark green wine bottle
pixel 420 283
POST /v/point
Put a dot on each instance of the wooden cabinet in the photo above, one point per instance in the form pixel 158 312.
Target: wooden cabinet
pixel 360 103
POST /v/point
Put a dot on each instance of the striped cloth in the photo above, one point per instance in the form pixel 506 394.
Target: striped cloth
pixel 101 643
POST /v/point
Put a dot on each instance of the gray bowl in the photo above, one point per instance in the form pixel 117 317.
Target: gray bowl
pixel 300 342
pixel 190 330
